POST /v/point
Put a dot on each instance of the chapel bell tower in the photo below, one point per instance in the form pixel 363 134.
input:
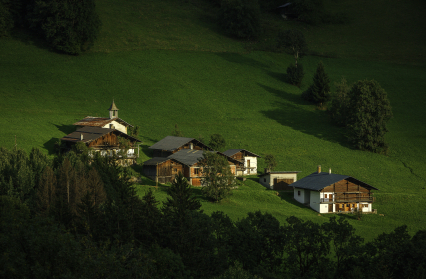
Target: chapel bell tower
pixel 113 111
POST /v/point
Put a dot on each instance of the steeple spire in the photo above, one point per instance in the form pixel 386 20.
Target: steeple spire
pixel 113 111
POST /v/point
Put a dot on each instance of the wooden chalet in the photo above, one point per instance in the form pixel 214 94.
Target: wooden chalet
pixel 164 169
pixel 103 140
pixel 171 144
pixel 326 192
pixel 247 158
pixel 113 122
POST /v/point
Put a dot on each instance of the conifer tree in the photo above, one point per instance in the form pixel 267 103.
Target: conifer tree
pixel 46 192
pixel 319 91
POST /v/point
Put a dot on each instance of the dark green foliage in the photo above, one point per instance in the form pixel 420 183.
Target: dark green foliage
pixel 309 11
pixel 270 5
pixel 293 42
pixel 181 198
pixel 6 20
pixel 270 161
pixel 369 112
pixel 69 26
pixel 344 241
pixel 237 271
pixel 307 247
pixel 340 103
pixel 218 179
pixel 240 18
pixel 258 242
pixel 319 91
pixel 134 131
pixel 217 142
pixel 295 74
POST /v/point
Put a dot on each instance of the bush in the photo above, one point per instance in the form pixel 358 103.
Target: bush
pixel 69 26
pixel 340 103
pixel 295 74
pixel 309 11
pixel 370 110
pixel 240 18
pixel 319 91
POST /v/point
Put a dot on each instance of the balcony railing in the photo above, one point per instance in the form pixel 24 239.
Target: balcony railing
pixel 348 199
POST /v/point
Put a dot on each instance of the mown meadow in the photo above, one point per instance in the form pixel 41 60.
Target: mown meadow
pixel 167 62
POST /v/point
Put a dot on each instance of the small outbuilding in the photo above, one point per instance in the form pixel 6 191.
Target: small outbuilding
pixel 278 180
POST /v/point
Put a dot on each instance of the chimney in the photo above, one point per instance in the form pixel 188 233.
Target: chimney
pixel 81 136
pixel 319 168
pixel 329 171
pixel 267 170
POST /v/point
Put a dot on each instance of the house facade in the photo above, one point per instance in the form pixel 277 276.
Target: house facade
pixel 278 180
pixel 326 192
pixel 187 161
pixel 247 158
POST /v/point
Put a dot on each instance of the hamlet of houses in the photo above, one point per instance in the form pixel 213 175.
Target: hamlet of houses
pixel 324 192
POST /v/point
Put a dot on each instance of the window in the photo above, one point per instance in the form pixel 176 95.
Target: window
pixel 196 171
pixel 264 180
pixel 325 196
pixel 298 193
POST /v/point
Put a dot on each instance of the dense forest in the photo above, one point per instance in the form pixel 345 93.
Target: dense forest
pixel 76 216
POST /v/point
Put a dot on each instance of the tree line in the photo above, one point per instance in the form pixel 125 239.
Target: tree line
pixel 67 26
pixel 71 217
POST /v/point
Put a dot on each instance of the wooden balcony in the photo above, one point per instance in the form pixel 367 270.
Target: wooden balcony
pixel 348 199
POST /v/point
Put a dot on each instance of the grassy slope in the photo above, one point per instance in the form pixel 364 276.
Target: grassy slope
pixel 208 83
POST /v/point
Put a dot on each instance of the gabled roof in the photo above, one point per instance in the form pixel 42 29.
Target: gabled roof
pixel 93 133
pixel 231 152
pixel 318 181
pixel 171 143
pixel 99 121
pixel 156 160
pixel 188 157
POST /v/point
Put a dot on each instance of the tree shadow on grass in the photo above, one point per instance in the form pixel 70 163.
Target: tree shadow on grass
pixel 50 145
pixel 198 193
pixel 241 59
pixel 313 122
pixel 66 129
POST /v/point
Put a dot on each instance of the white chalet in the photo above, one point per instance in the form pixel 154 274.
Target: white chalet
pixel 326 192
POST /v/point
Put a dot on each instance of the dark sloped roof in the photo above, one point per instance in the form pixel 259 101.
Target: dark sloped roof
pixel 99 121
pixel 155 161
pixel 188 157
pixel 171 143
pixel 231 152
pixel 92 133
pixel 318 181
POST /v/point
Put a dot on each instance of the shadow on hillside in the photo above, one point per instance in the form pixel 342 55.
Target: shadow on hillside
pixel 312 122
pixel 50 145
pixel 241 59
pixel 30 38
pixel 288 197
pixel 66 129
pixel 281 77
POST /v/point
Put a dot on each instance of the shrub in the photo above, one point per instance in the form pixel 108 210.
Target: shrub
pixel 293 42
pixel 319 91
pixel 270 161
pixel 369 113
pixel 240 18
pixel 69 26
pixel 340 103
pixel 295 74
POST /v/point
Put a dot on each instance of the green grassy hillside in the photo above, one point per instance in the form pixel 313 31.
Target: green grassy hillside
pixel 165 62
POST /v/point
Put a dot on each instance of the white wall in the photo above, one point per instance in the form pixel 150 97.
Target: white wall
pixel 315 201
pixel 265 181
pixel 117 126
pixel 253 163
pixel 300 198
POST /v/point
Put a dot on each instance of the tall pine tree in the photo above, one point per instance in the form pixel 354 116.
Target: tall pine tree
pixel 319 91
